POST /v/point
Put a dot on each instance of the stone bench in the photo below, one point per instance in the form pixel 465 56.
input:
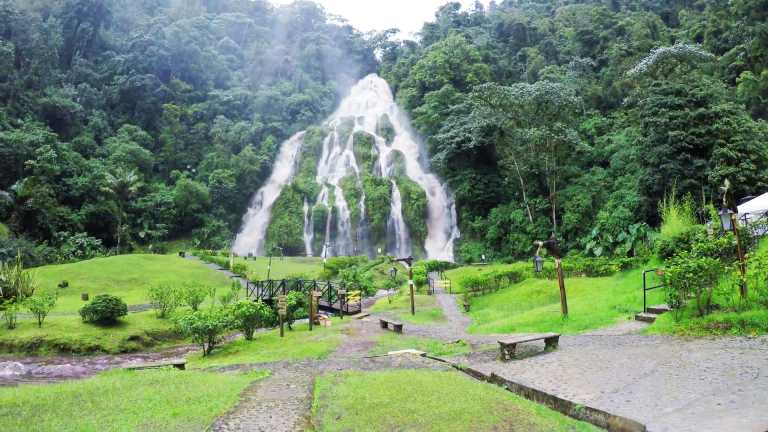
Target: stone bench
pixel 179 364
pixel 397 327
pixel 508 346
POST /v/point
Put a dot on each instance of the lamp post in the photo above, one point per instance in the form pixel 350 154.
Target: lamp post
pixel 393 275
pixel 729 222
pixel 326 246
pixel 409 262
pixel 552 247
pixel 269 265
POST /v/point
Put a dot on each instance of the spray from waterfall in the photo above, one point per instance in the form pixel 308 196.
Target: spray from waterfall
pixel 368 102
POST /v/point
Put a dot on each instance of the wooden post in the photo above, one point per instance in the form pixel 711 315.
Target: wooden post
pixel 282 311
pixel 742 260
pixel 410 283
pixel 561 282
pixel 311 313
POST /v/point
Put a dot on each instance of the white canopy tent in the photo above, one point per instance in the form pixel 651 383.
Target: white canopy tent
pixel 754 208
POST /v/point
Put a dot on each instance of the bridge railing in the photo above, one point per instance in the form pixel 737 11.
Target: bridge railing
pixel 268 290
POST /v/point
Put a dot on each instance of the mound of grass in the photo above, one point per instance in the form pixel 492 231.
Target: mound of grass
pixel 299 344
pixel 309 267
pixel 534 305
pixel 126 276
pixel 69 335
pixel 427 309
pixel 749 323
pixel 391 342
pixel 422 400
pixel 166 400
pixel 457 276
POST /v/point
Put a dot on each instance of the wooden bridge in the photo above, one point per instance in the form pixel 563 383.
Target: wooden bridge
pixel 268 291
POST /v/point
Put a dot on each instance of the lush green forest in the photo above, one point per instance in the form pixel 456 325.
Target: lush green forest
pixel 559 116
pixel 126 124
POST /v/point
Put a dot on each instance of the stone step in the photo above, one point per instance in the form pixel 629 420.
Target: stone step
pixel 646 317
pixel 659 309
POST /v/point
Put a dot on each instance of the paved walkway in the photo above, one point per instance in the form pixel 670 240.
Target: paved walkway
pixel 667 383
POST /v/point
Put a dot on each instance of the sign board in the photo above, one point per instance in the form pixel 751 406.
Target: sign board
pixel 282 305
pixel 316 294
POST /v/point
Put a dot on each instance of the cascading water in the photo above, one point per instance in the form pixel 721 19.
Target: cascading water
pixel 396 155
pixel 256 221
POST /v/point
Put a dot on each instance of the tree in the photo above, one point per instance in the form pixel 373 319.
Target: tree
pixel 40 305
pixel 122 185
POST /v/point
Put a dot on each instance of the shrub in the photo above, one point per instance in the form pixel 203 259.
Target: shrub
pixel 16 284
pixel 240 269
pixel 10 312
pixel 247 316
pixel 682 241
pixel 358 279
pixel 64 284
pixel 677 215
pixel 104 309
pixel 194 295
pixel 78 246
pixel 40 305
pixel 231 295
pixel 205 328
pixel 419 275
pixel 296 308
pixel 164 299
pixel 688 276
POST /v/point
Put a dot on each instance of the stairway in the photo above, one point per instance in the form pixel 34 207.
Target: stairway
pixel 652 312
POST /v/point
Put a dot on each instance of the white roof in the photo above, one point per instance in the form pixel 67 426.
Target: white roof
pixel 756 206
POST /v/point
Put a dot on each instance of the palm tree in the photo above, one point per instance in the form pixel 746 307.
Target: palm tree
pixel 122 185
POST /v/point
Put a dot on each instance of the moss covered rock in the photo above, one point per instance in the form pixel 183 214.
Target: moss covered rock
pixel 385 129
pixel 364 147
pixel 306 172
pixel 397 162
pixel 353 195
pixel 415 210
pixel 286 228
pixel 378 200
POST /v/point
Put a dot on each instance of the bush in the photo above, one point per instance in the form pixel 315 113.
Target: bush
pixel 10 313
pixel 419 275
pixel 205 328
pixel 164 299
pixel 40 305
pixel 194 295
pixel 240 269
pixel 231 295
pixel 296 308
pixel 104 309
pixel 247 316
pixel 687 276
pixel 16 284
pixel 335 265
pixel 78 246
pixel 677 215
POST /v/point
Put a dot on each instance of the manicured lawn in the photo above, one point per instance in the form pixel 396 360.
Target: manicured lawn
pixel 166 400
pixel 748 323
pixel 427 309
pixel 268 346
pixel 534 305
pixel 457 275
pixel 392 342
pixel 422 400
pixel 126 276
pixel 308 267
pixel 68 334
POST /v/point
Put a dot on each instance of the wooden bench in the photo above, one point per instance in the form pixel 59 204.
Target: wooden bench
pixel 397 327
pixel 179 364
pixel 508 346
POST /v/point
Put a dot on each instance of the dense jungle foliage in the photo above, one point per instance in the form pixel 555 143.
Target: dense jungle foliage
pixel 124 124
pixel 576 117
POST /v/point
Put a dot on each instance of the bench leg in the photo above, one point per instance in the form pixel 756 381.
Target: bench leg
pixel 398 328
pixel 508 352
pixel 551 344
pixel 384 324
pixel 180 366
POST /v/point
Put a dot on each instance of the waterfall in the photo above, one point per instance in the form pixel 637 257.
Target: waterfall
pixel 395 153
pixel 401 246
pixel 309 234
pixel 256 221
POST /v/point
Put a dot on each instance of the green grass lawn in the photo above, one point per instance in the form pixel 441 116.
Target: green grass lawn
pixel 534 305
pixel 282 268
pixel 752 322
pixel 422 400
pixel 427 309
pixel 392 342
pixel 68 334
pixel 268 346
pixel 126 276
pixel 156 400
